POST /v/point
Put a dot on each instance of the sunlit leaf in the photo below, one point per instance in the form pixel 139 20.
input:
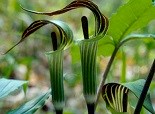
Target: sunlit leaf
pixel 8 86
pixel 32 106
pixel 106 45
pixel 122 24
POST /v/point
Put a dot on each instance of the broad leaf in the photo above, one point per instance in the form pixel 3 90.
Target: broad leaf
pixel 106 45
pixel 7 86
pixel 130 17
pixel 136 88
pixel 32 106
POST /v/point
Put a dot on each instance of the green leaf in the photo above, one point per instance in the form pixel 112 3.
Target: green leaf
pixel 106 46
pixel 130 17
pixel 7 86
pixel 115 96
pixel 75 54
pixel 32 106
pixel 136 88
pixel 121 24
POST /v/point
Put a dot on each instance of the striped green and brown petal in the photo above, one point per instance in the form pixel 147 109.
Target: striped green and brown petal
pixel 55 59
pixel 62 27
pixel 101 21
pixel 88 46
pixel 115 96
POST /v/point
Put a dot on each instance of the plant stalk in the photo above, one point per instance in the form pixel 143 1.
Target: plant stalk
pixel 59 111
pixel 145 89
pixel 55 60
pixel 91 108
pixel 108 68
pixel 105 74
pixel 88 59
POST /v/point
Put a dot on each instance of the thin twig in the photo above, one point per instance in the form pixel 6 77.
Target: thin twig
pixel 145 89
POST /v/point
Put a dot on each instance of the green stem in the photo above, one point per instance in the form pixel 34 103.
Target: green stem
pixel 105 75
pixel 59 111
pixel 108 68
pixel 145 89
pixel 109 65
pixel 91 108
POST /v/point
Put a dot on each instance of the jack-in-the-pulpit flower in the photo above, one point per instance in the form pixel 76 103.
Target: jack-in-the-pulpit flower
pixel 55 57
pixel 88 46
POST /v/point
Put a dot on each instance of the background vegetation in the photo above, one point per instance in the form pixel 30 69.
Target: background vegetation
pixel 28 61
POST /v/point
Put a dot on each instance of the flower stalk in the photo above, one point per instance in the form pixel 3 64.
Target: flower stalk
pixel 145 89
pixel 55 60
pixel 88 50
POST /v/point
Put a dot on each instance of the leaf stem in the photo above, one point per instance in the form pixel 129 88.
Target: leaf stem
pixel 145 89
pixel 110 63
pixel 106 74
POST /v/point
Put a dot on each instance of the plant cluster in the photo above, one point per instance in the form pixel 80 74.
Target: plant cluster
pixel 107 32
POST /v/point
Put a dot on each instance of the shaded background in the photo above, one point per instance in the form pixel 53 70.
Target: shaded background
pixel 28 61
